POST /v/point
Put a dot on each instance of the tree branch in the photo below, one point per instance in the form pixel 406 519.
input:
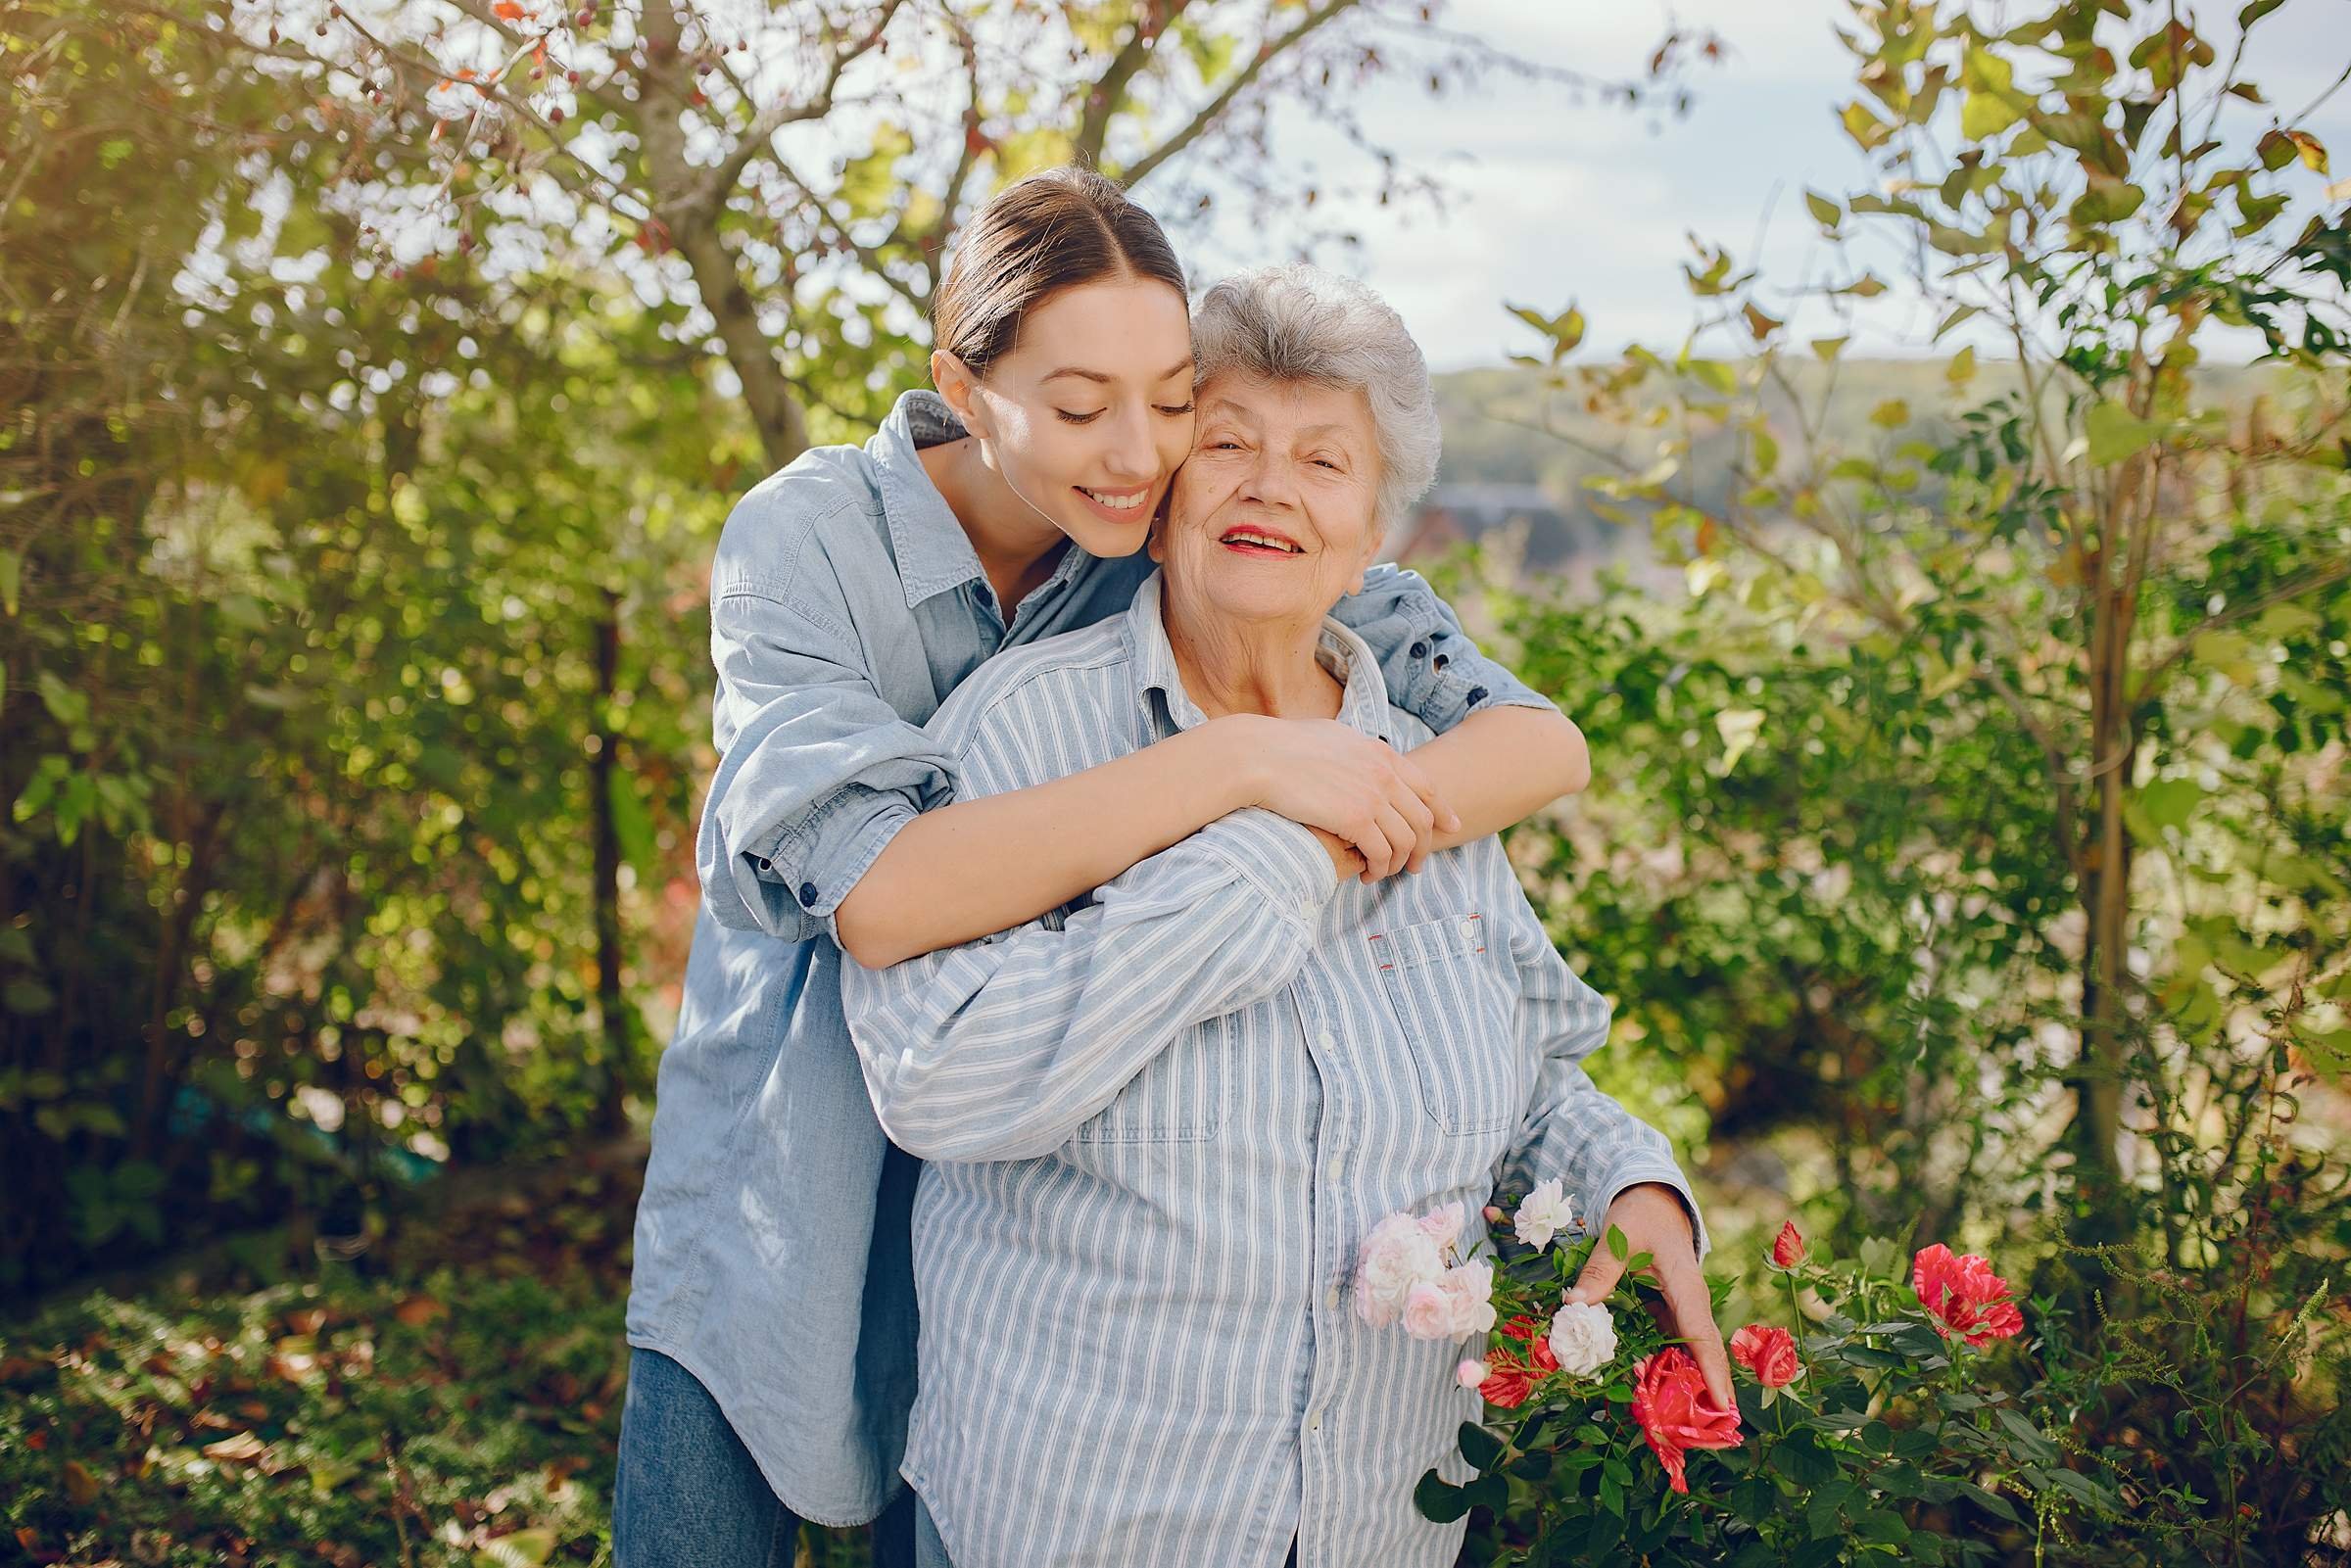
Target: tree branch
pixel 1102 100
pixel 1143 168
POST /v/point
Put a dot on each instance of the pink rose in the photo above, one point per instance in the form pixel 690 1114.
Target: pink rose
pixel 1788 1248
pixel 1469 1293
pixel 1964 1296
pixel 1768 1352
pixel 1443 1225
pixel 1428 1312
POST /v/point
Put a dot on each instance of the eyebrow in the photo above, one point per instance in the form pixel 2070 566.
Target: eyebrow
pixel 1181 367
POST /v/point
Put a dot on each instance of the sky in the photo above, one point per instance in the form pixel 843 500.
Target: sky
pixel 1593 203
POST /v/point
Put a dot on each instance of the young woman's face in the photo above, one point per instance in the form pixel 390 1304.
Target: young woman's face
pixel 1089 414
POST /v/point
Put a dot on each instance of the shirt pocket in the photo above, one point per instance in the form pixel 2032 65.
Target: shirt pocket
pixel 1457 1019
pixel 1180 1096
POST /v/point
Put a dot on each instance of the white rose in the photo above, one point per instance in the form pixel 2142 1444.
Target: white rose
pixel 1547 1211
pixel 1428 1312
pixel 1469 1290
pixel 1397 1256
pixel 1584 1338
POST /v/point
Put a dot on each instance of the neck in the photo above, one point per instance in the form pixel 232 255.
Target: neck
pixel 1016 546
pixel 1266 667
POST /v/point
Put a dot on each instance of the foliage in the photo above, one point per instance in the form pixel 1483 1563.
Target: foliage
pixel 1891 1443
pixel 349 656
pixel 1971 835
pixel 798 173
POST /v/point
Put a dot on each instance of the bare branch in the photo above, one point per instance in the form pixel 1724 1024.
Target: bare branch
pixel 1103 98
pixel 755 141
pixel 1142 169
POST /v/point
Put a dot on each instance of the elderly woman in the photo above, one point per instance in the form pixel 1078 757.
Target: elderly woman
pixel 1162 1121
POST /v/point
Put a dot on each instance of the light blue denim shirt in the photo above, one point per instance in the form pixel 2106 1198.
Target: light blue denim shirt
pixel 1160 1123
pixel 772 1248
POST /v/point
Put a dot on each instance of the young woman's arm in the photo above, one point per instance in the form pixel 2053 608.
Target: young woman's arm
pixel 975 867
pixel 830 811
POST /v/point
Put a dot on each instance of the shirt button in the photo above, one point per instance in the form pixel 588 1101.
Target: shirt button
pixel 1333 1168
pixel 1477 694
pixel 808 895
pixel 1419 651
pixel 1314 1422
pixel 1326 1040
pixel 1330 1297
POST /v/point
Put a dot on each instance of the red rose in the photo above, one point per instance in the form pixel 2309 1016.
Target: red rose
pixel 1669 1400
pixel 1512 1375
pixel 1768 1352
pixel 1788 1248
pixel 1964 1296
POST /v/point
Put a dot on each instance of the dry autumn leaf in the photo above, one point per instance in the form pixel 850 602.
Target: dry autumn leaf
pixel 243 1447
pixel 418 1310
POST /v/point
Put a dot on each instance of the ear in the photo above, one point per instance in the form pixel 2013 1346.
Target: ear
pixel 961 389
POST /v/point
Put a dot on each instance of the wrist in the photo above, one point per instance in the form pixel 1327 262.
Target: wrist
pixel 1235 761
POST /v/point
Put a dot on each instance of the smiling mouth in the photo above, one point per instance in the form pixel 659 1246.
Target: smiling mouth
pixel 1117 501
pixel 1248 541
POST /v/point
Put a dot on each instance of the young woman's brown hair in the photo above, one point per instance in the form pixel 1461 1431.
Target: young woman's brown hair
pixel 1043 234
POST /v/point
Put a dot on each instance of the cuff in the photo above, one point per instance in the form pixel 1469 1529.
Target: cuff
pixel 1277 857
pixel 1663 1175
pixel 817 860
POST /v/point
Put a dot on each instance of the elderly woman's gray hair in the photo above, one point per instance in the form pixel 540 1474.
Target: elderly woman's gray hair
pixel 1300 323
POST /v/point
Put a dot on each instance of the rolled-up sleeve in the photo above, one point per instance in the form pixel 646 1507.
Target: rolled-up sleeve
pixel 1572 1132
pixel 1432 669
pixel 817 772
pixel 1000 1049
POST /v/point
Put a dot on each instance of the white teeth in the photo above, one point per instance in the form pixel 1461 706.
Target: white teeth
pixel 1243 536
pixel 1118 502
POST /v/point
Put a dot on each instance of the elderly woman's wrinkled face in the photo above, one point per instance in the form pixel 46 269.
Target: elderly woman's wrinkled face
pixel 1272 516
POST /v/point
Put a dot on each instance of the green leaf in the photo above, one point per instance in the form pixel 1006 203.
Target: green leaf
pixel 2170 802
pixel 12 578
pixel 1439 1500
pixel 1479 1447
pixel 65 705
pixel 1826 211
pixel 2113 433
pixel 1618 1247
pixel 524 1548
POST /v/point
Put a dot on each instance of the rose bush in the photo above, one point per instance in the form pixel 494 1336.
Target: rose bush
pixel 1860 1419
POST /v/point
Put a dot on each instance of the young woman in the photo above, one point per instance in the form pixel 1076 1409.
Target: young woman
pixel 772 1313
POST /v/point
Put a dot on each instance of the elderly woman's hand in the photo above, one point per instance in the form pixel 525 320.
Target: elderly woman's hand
pixel 1654 1221
pixel 1322 774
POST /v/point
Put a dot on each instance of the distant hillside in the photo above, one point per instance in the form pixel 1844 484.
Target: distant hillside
pixel 1515 452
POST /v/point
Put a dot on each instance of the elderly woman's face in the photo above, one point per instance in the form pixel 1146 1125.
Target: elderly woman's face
pixel 1271 515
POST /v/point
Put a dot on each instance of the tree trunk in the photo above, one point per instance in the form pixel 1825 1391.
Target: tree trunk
pixel 603 777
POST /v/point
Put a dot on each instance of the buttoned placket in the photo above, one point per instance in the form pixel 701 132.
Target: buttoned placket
pixel 1328 1155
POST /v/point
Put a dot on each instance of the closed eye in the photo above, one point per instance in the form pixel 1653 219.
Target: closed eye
pixel 1174 412
pixel 1078 418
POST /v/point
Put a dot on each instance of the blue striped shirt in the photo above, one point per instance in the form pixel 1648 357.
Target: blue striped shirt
pixel 1162 1121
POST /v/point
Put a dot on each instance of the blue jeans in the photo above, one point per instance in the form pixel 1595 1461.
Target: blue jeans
pixel 690 1495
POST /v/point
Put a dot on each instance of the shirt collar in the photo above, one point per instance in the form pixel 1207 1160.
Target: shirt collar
pixel 934 551
pixel 1364 706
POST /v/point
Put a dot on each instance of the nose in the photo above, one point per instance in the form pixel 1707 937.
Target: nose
pixel 1133 454
pixel 1269 481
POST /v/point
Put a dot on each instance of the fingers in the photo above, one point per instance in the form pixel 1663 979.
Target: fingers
pixel 1402 840
pixel 1415 778
pixel 1693 1323
pixel 1378 846
pixel 1600 1272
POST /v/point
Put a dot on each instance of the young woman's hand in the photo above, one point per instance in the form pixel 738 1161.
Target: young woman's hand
pixel 1322 774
